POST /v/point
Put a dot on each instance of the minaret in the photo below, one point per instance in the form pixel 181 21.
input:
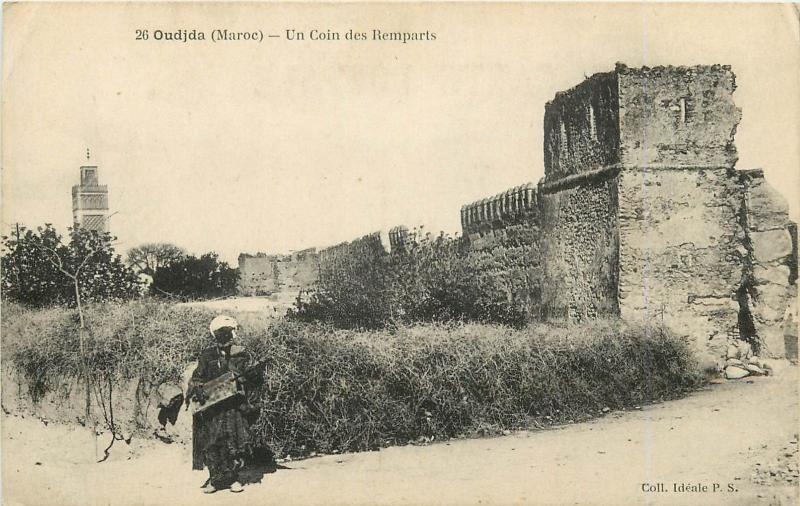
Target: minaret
pixel 90 200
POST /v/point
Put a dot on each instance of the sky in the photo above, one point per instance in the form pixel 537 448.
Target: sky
pixel 282 145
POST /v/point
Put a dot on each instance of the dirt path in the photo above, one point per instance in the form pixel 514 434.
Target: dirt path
pixel 738 433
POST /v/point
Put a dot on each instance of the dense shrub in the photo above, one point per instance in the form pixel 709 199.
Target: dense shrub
pixel 337 390
pixel 433 279
pixel 328 389
pixel 38 265
pixel 442 278
pixel 138 340
pixel 195 278
pixel 355 287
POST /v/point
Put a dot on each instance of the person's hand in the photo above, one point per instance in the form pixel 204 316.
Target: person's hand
pixel 200 396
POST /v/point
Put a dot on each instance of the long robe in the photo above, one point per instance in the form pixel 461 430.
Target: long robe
pixel 221 433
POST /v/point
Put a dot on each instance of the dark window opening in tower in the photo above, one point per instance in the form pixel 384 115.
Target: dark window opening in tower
pixel 564 140
pixel 682 113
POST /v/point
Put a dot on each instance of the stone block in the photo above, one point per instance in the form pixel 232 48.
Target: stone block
pixel 771 244
pixel 766 208
pixel 773 343
pixel 734 372
pixel 777 274
pixel 771 301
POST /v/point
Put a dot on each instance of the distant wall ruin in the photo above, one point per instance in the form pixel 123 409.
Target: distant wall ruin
pixel 263 274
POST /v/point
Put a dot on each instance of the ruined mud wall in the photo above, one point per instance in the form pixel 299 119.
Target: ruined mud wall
pixel 258 274
pixel 677 116
pixel 553 247
pixel 483 219
pixel 581 128
pixel 681 251
pixel 298 271
pixel 579 247
pixel 643 117
pixel 354 264
pixel 262 274
pixel 501 234
pixel 354 284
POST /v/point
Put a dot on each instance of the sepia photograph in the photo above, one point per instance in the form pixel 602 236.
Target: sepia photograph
pixel 399 253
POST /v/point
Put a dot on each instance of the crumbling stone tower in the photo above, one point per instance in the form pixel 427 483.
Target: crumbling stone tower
pixel 641 213
pixel 644 215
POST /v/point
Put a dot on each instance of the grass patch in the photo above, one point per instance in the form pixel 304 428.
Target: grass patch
pixel 330 390
pixel 143 339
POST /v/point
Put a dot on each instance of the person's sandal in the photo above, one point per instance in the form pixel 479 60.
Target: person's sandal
pixel 237 487
pixel 209 489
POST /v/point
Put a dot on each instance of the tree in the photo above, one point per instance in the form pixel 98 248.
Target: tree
pixel 203 277
pixel 39 269
pixel 150 257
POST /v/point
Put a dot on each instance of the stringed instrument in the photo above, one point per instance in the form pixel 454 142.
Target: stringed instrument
pixel 223 387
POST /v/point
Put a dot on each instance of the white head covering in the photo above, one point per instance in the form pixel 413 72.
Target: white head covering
pixel 221 322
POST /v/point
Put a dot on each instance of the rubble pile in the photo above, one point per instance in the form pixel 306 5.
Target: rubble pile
pixel 741 363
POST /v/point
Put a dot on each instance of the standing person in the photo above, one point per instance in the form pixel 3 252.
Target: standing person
pixel 221 438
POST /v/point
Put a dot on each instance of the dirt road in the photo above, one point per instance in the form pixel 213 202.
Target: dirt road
pixel 740 435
